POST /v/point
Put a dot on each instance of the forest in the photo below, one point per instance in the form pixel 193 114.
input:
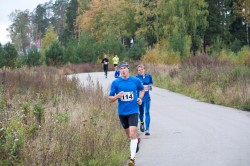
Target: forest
pixel 79 31
pixel 199 48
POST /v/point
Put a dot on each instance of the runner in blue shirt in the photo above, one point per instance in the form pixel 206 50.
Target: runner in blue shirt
pixel 146 101
pixel 124 89
pixel 117 72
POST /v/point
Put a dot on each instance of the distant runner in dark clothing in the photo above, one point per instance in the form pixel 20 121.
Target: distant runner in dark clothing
pixel 105 62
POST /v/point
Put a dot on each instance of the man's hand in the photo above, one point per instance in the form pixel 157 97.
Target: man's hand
pixel 120 94
pixel 139 101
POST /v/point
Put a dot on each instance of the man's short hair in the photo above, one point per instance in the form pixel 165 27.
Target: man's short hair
pixel 123 64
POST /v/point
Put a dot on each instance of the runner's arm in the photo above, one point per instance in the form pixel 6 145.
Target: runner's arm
pixel 141 94
pixel 115 97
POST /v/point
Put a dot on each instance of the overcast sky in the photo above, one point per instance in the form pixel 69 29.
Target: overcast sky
pixel 9 6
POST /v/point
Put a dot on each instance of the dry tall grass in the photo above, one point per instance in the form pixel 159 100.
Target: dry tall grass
pixel 208 79
pixel 47 119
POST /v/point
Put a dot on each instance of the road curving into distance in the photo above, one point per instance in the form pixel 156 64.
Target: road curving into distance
pixel 187 132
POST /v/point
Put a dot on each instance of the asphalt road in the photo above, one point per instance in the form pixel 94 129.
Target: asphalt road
pixel 187 132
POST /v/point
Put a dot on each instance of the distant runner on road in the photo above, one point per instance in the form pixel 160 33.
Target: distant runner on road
pixel 124 89
pixel 115 61
pixel 105 62
pixel 117 72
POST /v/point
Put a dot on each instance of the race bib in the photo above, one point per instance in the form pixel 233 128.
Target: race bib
pixel 105 63
pixel 128 96
pixel 147 87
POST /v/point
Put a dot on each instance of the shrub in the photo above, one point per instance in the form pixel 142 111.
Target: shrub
pixel 54 55
pixel 39 112
pixel 9 55
pixel 244 56
pixel 70 53
pixel 2 56
pixel 34 57
pixel 236 45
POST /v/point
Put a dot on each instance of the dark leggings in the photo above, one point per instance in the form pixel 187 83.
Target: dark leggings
pixel 105 69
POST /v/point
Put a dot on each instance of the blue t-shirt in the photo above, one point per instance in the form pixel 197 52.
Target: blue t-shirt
pixel 117 73
pixel 146 81
pixel 128 104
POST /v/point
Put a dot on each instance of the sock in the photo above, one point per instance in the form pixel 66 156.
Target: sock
pixel 133 146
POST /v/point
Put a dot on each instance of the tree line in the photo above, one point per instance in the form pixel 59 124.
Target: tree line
pixel 79 31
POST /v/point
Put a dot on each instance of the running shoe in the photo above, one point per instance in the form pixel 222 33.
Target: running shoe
pixel 142 127
pixel 147 133
pixel 131 162
pixel 137 148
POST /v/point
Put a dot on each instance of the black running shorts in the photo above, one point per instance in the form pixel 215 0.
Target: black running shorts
pixel 128 120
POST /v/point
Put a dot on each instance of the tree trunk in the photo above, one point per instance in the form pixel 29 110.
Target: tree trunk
pixel 247 33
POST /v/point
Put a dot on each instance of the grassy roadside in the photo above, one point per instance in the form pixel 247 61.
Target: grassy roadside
pixel 207 79
pixel 47 119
